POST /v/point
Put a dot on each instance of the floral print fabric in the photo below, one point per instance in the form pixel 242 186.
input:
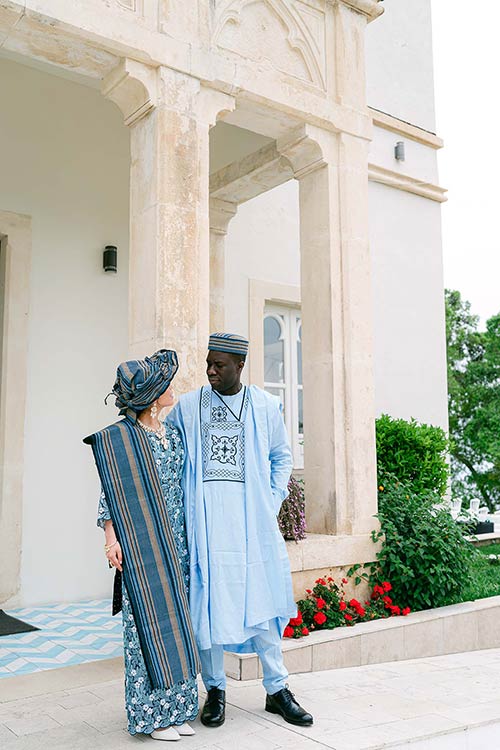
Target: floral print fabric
pixel 149 708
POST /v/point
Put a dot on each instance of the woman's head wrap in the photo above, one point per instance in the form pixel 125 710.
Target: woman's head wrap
pixel 139 382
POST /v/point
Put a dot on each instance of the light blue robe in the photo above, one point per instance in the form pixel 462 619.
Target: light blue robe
pixel 239 568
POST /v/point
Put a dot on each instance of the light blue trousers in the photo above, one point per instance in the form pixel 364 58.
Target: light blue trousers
pixel 268 649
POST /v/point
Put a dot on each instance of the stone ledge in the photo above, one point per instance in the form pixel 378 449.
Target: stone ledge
pixel 326 554
pixel 482 540
pixel 469 626
pixel 59 679
pixel 323 551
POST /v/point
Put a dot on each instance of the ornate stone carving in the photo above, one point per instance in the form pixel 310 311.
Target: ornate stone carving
pixel 370 8
pixel 289 36
pixel 129 4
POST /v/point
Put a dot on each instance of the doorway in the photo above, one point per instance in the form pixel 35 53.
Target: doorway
pixel 15 263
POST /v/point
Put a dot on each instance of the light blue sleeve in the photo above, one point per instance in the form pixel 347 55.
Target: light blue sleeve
pixel 280 457
pixel 174 417
pixel 103 514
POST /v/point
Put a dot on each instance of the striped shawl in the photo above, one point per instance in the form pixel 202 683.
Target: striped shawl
pixel 151 568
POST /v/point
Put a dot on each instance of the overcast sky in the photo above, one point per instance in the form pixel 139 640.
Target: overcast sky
pixel 467 72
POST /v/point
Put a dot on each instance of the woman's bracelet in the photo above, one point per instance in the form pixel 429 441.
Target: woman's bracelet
pixel 107 547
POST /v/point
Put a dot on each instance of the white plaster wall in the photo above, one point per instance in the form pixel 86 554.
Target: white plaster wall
pixel 408 306
pixel 64 156
pixel 399 65
pixel 420 160
pixel 262 243
pixel 229 143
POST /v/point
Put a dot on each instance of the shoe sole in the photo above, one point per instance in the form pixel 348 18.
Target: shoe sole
pixel 289 721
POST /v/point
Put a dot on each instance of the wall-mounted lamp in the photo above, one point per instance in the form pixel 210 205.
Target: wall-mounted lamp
pixel 399 151
pixel 110 259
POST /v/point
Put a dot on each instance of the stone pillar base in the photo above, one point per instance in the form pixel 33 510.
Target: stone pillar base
pixel 322 555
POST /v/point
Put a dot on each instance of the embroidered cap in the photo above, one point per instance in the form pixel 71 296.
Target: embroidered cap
pixel 228 342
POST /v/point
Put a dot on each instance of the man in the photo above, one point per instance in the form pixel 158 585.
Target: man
pixel 235 478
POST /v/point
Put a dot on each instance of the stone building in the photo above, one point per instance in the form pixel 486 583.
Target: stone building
pixel 240 154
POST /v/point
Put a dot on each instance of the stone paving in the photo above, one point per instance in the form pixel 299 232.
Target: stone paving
pixel 439 703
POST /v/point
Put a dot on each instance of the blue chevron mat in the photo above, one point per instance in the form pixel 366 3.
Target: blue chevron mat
pixel 69 634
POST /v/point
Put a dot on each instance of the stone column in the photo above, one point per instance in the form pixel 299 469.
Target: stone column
pixel 340 463
pixel 221 213
pixel 169 115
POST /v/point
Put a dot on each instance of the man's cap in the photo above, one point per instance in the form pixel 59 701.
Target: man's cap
pixel 228 342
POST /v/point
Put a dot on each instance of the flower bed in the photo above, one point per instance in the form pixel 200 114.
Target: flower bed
pixel 326 607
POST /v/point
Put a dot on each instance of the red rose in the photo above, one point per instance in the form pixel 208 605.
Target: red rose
pixel 308 591
pixel 395 610
pixel 354 603
pixel 288 632
pixel 295 621
pixel 320 603
pixel 348 617
pixel 319 618
pixel 305 631
pixel 386 585
pixel 329 579
pixel 342 606
pixel 406 611
pixel 387 601
pixel 361 612
pixel 344 580
pixel 321 581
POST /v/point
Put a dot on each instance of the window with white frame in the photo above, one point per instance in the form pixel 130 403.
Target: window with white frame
pixel 283 369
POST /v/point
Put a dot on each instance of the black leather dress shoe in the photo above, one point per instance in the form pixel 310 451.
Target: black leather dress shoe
pixel 283 703
pixel 214 710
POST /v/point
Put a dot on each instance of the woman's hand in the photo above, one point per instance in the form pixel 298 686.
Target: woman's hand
pixel 112 546
pixel 114 555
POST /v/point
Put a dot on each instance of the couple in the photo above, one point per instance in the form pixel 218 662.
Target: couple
pixel 189 510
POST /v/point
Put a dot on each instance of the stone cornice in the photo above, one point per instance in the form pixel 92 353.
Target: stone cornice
pixel 414 133
pixel 407 183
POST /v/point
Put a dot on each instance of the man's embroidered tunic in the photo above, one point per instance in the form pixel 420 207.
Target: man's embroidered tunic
pixel 235 479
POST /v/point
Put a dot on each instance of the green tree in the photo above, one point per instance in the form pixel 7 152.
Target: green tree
pixel 473 402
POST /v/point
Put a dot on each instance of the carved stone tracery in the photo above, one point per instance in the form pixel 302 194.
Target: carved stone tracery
pixel 289 36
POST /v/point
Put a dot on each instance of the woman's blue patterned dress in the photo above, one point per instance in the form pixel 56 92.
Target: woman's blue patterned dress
pixel 148 708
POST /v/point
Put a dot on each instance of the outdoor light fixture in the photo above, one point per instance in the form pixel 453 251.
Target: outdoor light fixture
pixel 110 258
pixel 399 151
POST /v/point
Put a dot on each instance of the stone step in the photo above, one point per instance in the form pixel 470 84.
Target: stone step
pixel 469 626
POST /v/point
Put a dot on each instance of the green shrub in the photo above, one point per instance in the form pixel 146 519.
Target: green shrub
pixel 424 553
pixel 415 453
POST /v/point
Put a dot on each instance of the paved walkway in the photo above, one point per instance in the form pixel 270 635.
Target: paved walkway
pixel 440 703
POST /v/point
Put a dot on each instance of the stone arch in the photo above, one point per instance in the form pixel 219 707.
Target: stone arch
pixel 298 36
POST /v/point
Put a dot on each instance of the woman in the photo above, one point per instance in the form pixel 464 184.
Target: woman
pixel 139 460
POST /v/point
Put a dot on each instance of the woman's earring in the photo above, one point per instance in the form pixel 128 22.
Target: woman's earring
pixel 154 411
